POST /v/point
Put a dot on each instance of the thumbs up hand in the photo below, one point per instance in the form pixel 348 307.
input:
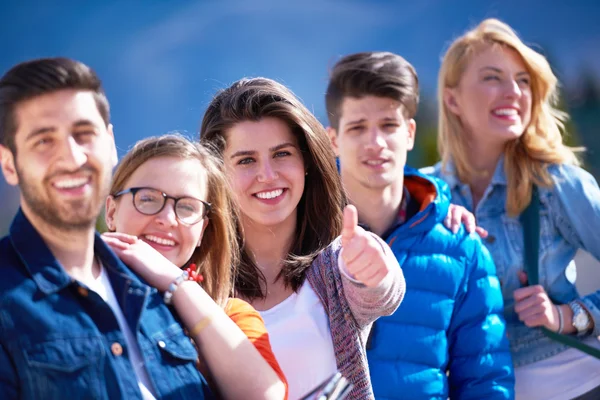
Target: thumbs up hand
pixel 362 254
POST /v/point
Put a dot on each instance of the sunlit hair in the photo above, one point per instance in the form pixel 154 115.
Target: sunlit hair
pixel 218 252
pixel 38 77
pixel 526 158
pixel 319 212
pixel 380 74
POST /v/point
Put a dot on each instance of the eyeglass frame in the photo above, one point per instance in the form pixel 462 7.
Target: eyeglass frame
pixel 134 190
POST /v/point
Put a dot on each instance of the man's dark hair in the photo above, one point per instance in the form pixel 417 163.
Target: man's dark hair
pixel 380 74
pixel 34 78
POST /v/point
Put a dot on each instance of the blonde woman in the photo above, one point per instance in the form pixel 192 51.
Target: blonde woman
pixel 499 140
pixel 170 208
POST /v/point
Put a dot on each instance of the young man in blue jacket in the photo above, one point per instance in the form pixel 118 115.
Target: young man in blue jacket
pixel 448 338
pixel 74 321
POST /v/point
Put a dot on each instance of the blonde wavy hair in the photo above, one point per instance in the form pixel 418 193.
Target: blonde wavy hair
pixel 218 253
pixel 528 157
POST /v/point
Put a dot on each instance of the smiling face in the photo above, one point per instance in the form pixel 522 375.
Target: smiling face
pixel 372 141
pixel 176 177
pixel 266 170
pixel 64 159
pixel 493 98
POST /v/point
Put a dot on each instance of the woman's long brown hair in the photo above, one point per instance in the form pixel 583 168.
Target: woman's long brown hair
pixel 319 212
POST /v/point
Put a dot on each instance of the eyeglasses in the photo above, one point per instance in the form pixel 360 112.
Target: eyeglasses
pixel 148 201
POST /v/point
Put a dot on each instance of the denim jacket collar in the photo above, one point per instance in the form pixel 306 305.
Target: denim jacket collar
pixel 499 177
pixel 451 177
pixel 46 271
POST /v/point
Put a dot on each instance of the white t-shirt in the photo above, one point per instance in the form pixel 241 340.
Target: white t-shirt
pixel 103 288
pixel 301 340
pixel 561 377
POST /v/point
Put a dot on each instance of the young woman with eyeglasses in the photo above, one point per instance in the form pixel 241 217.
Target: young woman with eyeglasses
pixel 169 209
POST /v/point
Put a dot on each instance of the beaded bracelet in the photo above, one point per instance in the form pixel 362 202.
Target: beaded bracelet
pixel 173 286
pixel 189 274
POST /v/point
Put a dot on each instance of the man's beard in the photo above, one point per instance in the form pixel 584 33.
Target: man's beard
pixel 73 215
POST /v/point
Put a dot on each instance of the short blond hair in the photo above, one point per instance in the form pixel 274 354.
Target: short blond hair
pixel 528 157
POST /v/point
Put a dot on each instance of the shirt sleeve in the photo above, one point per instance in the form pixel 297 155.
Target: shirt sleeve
pixel 578 216
pixel 253 326
pixel 578 220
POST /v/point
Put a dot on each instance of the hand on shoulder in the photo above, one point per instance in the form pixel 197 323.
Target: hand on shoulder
pixel 143 259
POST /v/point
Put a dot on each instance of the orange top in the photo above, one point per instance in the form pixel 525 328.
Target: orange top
pixel 252 324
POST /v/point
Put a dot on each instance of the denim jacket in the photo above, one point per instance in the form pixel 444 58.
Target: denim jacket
pixel 60 340
pixel 569 220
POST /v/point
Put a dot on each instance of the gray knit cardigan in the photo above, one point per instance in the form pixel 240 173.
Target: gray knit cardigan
pixel 352 308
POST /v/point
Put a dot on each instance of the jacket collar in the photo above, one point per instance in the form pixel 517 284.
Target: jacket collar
pixel 449 174
pixel 42 265
pixel 433 196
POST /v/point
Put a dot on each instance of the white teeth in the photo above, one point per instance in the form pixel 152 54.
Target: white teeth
pixel 506 111
pixel 270 195
pixel 156 239
pixel 375 162
pixel 71 183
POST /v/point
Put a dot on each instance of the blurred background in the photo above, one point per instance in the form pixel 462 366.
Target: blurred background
pixel 161 61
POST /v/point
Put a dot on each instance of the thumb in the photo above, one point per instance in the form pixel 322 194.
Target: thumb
pixel 350 223
pixel 523 278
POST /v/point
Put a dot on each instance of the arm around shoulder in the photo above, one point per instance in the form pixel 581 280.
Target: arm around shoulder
pixel 235 364
pixel 480 360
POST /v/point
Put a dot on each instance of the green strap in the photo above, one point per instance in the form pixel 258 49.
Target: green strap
pixel 530 218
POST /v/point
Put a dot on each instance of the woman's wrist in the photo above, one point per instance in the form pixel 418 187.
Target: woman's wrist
pixel 174 286
pixel 190 297
pixel 568 328
pixel 163 280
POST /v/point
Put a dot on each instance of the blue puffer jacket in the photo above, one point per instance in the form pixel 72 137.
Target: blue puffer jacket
pixel 448 338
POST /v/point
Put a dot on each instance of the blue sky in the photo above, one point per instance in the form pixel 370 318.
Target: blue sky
pixel 162 61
